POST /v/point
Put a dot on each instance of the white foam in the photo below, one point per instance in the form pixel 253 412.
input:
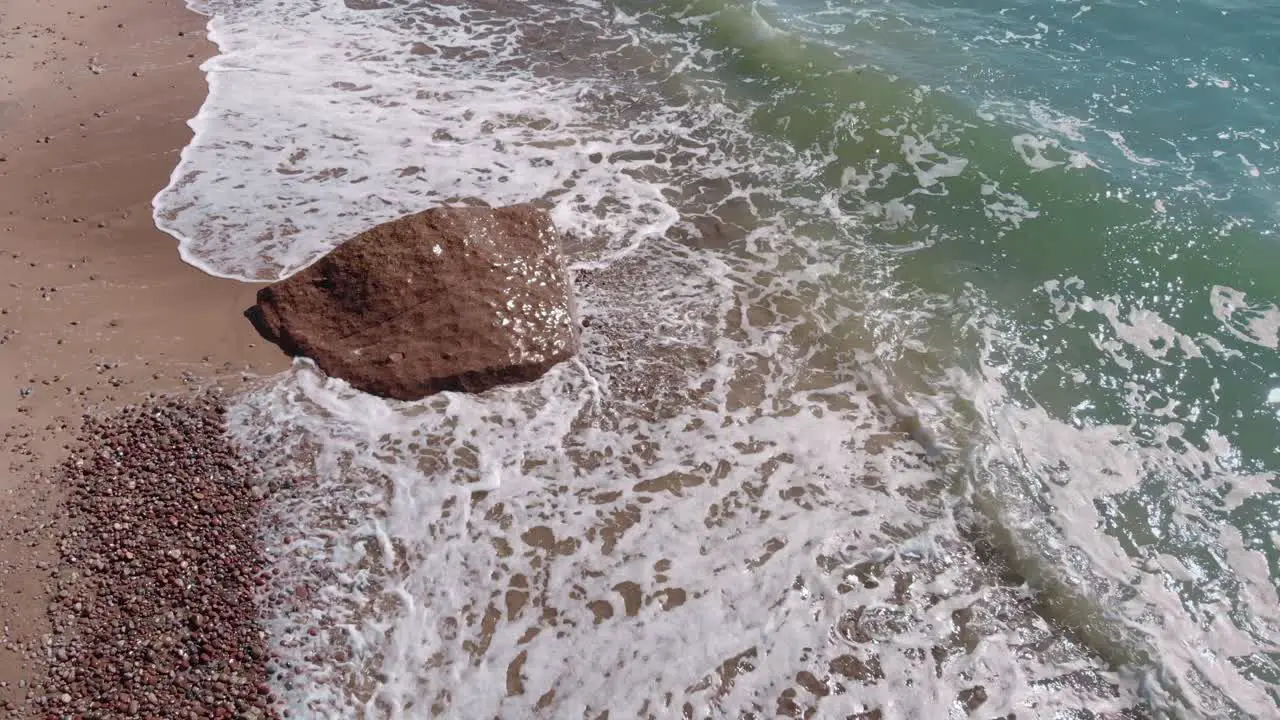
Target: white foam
pixel 322 120
pixel 719 543
pixel 1253 322
pixel 1031 149
pixel 930 164
pixel 1117 139
pixel 1006 209
pixel 720 508
pixel 718 505
pixel 1091 474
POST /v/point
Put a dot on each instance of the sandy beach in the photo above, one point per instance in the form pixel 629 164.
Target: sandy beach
pixel 97 311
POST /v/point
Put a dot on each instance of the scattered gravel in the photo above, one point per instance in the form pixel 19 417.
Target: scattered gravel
pixel 154 616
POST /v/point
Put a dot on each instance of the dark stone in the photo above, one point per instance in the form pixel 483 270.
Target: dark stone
pixel 453 298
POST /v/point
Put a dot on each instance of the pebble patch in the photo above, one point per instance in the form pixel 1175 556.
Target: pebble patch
pixel 155 615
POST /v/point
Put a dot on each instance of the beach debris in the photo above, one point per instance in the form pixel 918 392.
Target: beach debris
pixel 453 298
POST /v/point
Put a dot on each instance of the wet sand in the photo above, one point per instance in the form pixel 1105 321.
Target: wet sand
pixel 96 309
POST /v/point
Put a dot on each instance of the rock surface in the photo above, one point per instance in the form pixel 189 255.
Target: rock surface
pixel 453 298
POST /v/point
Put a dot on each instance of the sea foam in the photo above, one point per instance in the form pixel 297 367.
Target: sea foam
pixel 718 509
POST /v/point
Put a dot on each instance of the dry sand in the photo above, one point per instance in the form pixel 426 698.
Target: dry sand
pixel 96 309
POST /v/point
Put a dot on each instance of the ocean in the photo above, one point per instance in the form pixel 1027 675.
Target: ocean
pixel 930 367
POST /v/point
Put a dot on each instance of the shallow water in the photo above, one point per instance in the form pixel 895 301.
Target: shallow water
pixel 929 371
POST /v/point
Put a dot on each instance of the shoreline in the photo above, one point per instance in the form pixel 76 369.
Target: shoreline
pixel 104 314
pixel 98 310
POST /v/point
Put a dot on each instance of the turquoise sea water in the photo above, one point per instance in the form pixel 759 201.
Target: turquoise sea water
pixel 1129 286
pixel 932 365
pixel 1102 230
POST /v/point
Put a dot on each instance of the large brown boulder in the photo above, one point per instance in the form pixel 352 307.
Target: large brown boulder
pixel 453 298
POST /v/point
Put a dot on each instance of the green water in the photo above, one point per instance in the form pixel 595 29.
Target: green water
pixel 1066 287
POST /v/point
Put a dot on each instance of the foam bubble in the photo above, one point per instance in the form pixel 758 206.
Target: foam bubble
pixel 1257 323
pixel 1031 149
